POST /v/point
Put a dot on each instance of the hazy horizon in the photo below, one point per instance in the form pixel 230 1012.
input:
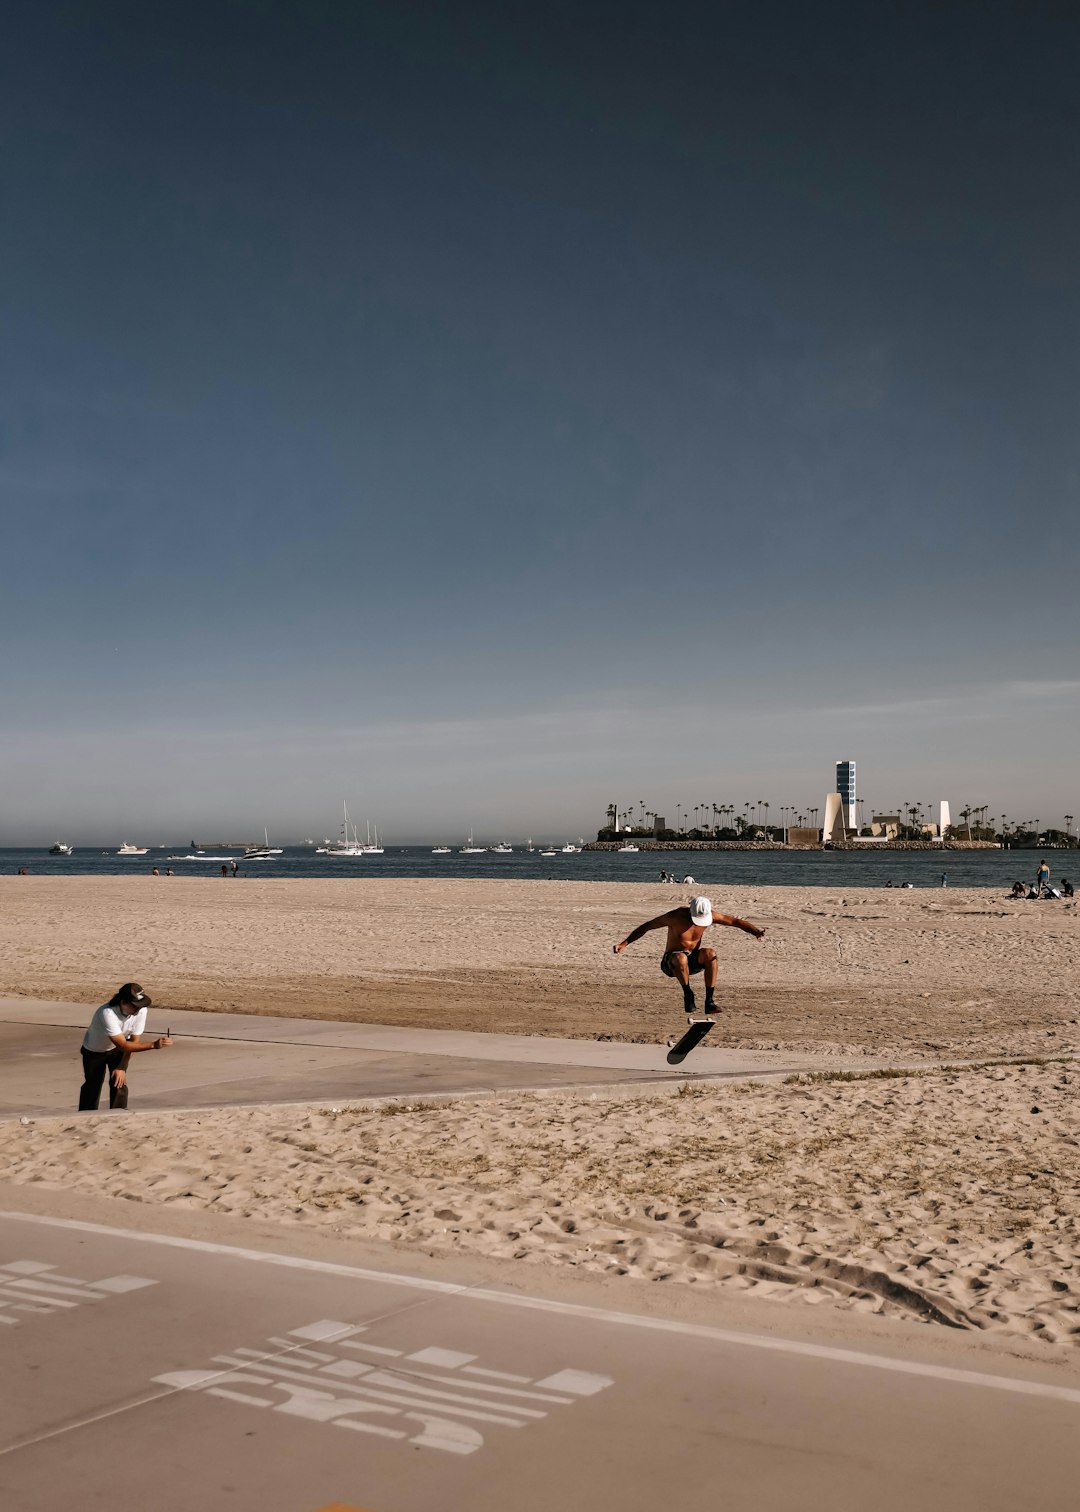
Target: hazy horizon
pixel 484 416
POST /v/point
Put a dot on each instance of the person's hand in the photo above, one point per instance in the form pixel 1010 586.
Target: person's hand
pixel 119 1078
pixel 619 948
pixel 162 1042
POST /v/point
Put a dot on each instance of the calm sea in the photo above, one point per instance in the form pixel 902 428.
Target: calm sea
pixel 709 868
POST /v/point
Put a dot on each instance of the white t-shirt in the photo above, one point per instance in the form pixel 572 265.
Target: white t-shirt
pixel 107 1022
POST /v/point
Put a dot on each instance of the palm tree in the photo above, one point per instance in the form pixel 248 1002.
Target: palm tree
pixel 765 806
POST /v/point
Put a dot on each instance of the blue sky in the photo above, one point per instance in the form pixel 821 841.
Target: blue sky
pixel 484 412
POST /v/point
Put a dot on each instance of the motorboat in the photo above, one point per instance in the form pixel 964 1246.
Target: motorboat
pixel 60 849
pixel 265 852
pixel 548 853
pixel 627 850
pixel 502 849
pixel 132 850
pixel 570 850
pixel 440 850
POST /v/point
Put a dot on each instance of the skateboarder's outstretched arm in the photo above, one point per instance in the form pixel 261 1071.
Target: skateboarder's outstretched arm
pixel 662 922
pixel 744 924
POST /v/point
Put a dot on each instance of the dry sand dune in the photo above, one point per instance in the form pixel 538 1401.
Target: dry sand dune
pixel 945 1197
pixel 931 972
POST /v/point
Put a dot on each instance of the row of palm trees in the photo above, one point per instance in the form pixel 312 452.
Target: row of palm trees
pixel 711 819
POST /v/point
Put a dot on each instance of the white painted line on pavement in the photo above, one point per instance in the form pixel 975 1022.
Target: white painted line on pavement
pixel 570 1309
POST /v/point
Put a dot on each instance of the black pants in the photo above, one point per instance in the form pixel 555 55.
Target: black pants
pixel 95 1064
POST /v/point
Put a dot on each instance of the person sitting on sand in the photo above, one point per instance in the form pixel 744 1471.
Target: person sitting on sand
pixel 1017 890
pixel 1066 888
pixel 1033 893
pixel 683 954
pixel 110 1041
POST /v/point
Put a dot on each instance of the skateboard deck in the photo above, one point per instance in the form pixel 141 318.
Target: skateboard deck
pixel 693 1037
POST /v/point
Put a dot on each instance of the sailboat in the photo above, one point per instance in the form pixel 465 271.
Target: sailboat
pixel 344 846
pixel 470 848
pixel 369 849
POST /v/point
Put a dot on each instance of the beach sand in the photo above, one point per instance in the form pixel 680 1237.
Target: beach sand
pixel 946 1196
pixel 942 1197
pixel 927 973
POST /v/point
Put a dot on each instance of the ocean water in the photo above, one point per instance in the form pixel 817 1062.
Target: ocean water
pixel 710 869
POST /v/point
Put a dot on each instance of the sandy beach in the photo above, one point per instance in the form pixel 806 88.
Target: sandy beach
pixel 927 973
pixel 946 1196
pixel 942 1197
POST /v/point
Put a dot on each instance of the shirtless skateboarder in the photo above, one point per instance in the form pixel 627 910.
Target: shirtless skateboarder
pixel 684 956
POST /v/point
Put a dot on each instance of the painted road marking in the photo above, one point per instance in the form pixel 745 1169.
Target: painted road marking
pixel 703 1331
pixel 35 1286
pixel 325 1388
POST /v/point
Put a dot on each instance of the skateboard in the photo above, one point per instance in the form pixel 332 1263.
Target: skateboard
pixel 693 1037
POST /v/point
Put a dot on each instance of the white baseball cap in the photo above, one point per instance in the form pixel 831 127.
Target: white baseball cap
pixel 701 911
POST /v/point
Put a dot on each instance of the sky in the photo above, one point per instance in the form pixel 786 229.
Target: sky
pixel 484 413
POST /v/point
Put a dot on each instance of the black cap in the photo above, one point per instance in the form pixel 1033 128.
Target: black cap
pixel 132 993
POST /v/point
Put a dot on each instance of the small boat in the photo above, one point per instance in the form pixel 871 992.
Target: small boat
pixel 570 850
pixel 264 852
pixel 529 846
pixel 470 848
pixel 132 850
pixel 627 850
pixel 502 849
pixel 440 850
pixel 60 849
pixel 547 853
pixel 198 856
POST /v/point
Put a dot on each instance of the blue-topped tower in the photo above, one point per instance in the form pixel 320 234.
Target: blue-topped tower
pixel 845 786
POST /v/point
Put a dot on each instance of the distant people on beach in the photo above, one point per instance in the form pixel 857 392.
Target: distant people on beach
pixel 169 871
pixel 235 868
pixel 113 1036
pixel 1017 890
pixel 1066 887
pixel 1034 893
pixel 944 879
pixel 1043 879
pixel 889 883
pixel 155 872
pixel 224 871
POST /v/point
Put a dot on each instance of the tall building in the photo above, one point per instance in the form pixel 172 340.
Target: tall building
pixel 845 786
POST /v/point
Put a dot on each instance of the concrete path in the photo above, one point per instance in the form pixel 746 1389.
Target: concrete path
pixel 157 1370
pixel 239 1058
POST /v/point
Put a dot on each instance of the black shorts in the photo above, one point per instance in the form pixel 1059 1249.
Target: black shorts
pixel 694 963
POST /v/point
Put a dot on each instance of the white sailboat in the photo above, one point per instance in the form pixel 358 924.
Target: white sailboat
pixel 369 849
pixel 470 848
pixel 344 846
